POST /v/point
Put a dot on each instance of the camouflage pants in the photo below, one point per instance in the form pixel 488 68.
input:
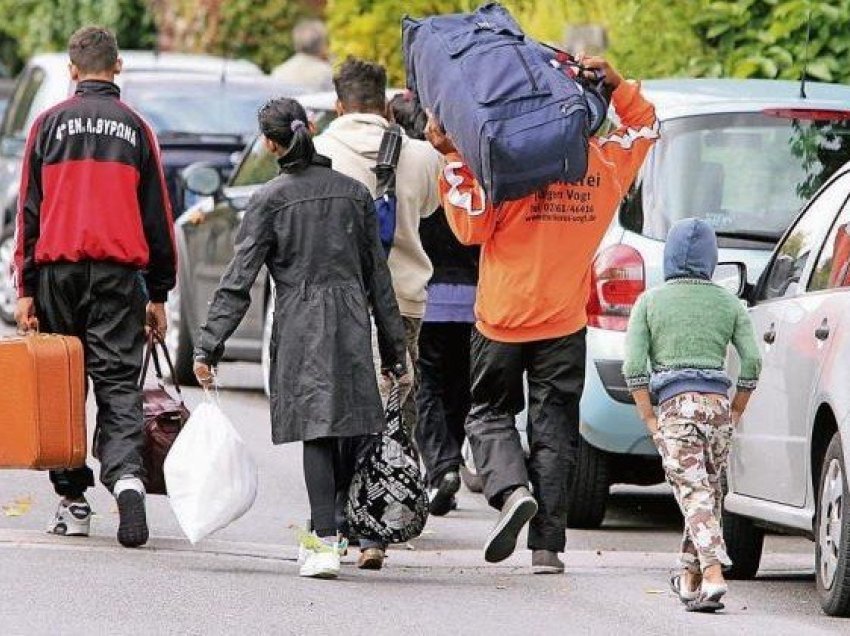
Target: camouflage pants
pixel 694 438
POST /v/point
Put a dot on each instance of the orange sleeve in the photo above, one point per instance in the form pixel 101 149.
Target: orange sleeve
pixel 628 145
pixel 468 210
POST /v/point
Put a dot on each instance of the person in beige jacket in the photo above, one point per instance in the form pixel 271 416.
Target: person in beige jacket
pixel 352 142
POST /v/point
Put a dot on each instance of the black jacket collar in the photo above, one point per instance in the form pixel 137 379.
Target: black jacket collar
pixel 318 160
pixel 98 87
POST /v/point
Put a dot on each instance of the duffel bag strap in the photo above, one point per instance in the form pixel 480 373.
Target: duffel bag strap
pixel 154 340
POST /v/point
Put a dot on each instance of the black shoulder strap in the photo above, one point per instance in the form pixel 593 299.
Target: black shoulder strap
pixel 387 161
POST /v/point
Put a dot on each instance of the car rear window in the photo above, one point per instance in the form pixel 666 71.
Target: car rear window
pixel 747 174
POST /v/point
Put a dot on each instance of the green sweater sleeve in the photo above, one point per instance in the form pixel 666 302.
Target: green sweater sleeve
pixel 744 341
pixel 635 366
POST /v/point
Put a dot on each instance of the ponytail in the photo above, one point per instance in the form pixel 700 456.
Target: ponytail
pixel 284 121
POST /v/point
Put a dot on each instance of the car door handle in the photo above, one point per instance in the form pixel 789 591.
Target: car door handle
pixel 822 332
pixel 770 334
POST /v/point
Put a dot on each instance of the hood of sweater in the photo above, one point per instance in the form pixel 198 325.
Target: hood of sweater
pixel 359 132
pixel 690 251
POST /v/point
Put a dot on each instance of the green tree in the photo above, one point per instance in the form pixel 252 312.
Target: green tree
pixel 767 38
pixel 371 28
pixel 35 26
pixel 261 31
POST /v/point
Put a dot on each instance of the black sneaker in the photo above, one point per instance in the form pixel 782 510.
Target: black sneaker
pixel 133 526
pixel 443 495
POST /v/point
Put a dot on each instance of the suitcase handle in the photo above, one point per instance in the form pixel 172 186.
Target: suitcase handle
pixel 154 340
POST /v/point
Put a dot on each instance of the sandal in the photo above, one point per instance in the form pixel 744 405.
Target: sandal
pixel 708 601
pixel 686 596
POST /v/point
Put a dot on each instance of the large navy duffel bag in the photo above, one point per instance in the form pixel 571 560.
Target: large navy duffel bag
pixel 518 118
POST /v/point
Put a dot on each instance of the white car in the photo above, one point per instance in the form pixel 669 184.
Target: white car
pixel 789 465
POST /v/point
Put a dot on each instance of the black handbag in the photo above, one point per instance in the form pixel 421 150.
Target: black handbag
pixel 387 499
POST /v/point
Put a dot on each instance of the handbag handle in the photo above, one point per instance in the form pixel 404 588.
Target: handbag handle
pixel 154 340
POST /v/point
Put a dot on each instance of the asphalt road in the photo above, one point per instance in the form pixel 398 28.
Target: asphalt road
pixel 244 579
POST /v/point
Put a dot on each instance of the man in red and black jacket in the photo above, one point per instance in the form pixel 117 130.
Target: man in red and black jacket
pixel 95 258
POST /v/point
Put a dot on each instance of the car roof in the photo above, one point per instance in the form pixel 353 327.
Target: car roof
pixel 686 97
pixel 264 83
pixel 150 61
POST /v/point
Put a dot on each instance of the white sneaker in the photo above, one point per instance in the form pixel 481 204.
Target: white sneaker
pixel 321 558
pixel 72 519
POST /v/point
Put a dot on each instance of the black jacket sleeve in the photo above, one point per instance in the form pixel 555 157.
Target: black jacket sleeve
pixel 231 300
pixel 28 222
pixel 157 221
pixel 379 288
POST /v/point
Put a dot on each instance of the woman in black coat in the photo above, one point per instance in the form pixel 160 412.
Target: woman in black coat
pixel 316 232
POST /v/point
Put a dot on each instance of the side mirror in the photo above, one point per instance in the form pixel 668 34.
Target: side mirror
pixel 203 179
pixel 732 275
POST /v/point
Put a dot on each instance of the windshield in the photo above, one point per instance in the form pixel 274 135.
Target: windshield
pixel 259 164
pixel 747 174
pixel 202 108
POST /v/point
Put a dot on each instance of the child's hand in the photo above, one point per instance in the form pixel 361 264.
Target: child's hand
pixel 652 424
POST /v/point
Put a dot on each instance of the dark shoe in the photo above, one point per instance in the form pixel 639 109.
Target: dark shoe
pixel 546 562
pixel 442 496
pixel 709 598
pixel 371 559
pixel 133 526
pixel 518 510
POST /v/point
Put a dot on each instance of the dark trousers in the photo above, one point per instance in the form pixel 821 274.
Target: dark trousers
pixel 103 304
pixel 555 371
pixel 329 464
pixel 443 398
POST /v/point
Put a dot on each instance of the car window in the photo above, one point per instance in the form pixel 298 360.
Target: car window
pixel 833 267
pixel 258 166
pixel 747 174
pixel 20 109
pixel 783 276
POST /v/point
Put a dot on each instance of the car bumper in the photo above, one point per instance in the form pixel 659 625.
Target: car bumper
pixel 609 420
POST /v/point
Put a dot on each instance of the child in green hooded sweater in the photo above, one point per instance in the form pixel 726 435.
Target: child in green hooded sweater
pixel 676 348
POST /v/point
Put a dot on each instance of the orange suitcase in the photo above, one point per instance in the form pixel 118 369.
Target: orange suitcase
pixel 42 402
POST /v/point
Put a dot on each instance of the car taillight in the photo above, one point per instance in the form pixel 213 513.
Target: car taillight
pixel 617 279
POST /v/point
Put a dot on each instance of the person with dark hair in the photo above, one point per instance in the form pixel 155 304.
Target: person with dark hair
pixel 443 398
pixel 95 259
pixel 316 232
pixel 531 309
pixel 352 142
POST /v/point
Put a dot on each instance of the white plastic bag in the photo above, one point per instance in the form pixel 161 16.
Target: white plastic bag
pixel 209 473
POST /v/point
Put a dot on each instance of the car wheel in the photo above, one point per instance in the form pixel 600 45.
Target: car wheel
pixel 178 339
pixel 588 490
pixel 468 474
pixel 268 325
pixel 744 543
pixel 832 535
pixel 8 294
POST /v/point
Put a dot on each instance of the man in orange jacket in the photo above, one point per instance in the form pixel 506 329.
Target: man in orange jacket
pixel 534 285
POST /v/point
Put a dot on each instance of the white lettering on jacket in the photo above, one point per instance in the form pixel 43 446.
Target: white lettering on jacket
pixel 100 126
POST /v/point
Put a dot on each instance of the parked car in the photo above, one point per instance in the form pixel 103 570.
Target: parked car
pixel 201 107
pixel 742 154
pixel 205 236
pixel 789 465
pixel 6 88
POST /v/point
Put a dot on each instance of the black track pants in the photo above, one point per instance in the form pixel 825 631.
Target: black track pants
pixel 443 399
pixel 103 304
pixel 555 371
